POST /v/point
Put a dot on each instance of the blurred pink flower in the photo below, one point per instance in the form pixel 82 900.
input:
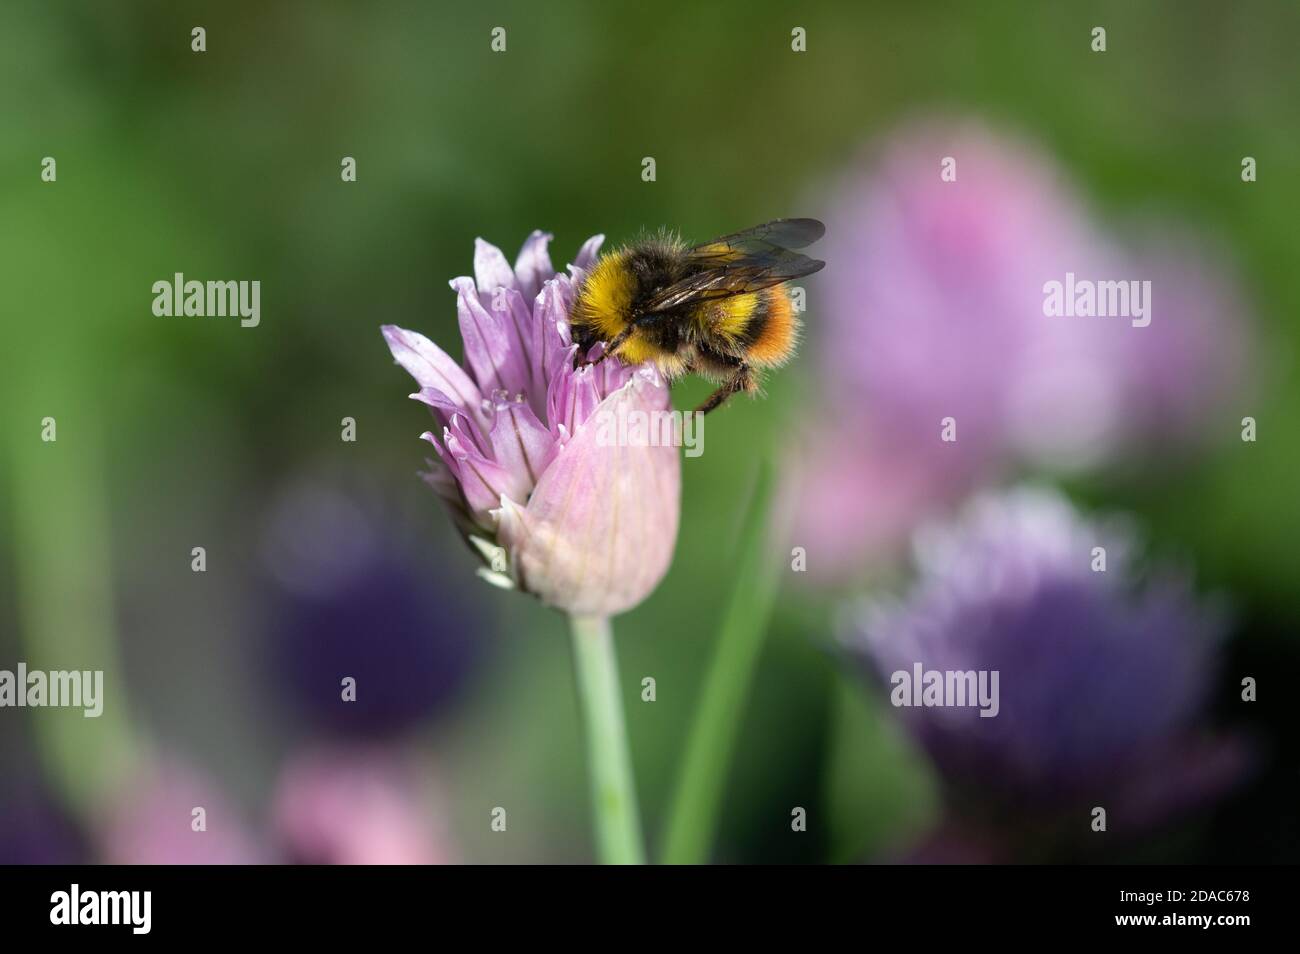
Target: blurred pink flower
pixel 937 300
pixel 1187 371
pixel 852 494
pixel 589 529
pixel 1099 390
pixel 934 309
pixel 154 822
pixel 356 807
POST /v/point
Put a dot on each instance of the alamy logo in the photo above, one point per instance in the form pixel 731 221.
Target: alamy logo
pixel 58 688
pixel 947 687
pixel 1084 298
pixel 195 299
pixel 102 907
pixel 637 428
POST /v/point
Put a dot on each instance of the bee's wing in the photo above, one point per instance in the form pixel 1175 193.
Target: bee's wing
pixel 743 263
pixel 781 233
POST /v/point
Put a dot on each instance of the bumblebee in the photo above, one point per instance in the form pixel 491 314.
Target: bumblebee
pixel 718 309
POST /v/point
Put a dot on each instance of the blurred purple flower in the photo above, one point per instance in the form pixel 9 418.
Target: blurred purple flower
pixel 357 807
pixel 937 311
pixel 589 529
pixel 1102 681
pixel 153 822
pixel 349 598
pixel 34 828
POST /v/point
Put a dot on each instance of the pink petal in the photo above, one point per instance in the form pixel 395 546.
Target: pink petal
pixel 589 252
pixel 572 397
pixel 491 270
pixel 598 532
pixel 552 315
pixel 533 267
pixel 442 477
pixel 496 365
pixel 431 366
pixel 439 475
pixel 525 333
pixel 482 481
pixel 445 409
pixel 521 443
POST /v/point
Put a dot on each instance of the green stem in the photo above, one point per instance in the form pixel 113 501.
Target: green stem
pixel 694 811
pixel 64 598
pixel 613 794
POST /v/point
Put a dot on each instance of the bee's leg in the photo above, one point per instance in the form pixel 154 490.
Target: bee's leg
pixel 628 330
pixel 615 343
pixel 742 380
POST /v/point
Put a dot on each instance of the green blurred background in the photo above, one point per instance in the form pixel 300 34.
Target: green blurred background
pixel 173 434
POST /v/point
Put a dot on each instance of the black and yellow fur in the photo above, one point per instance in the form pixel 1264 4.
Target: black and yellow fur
pixel 719 310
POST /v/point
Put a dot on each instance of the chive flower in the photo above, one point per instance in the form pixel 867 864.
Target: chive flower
pixel 1104 674
pixel 548 506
